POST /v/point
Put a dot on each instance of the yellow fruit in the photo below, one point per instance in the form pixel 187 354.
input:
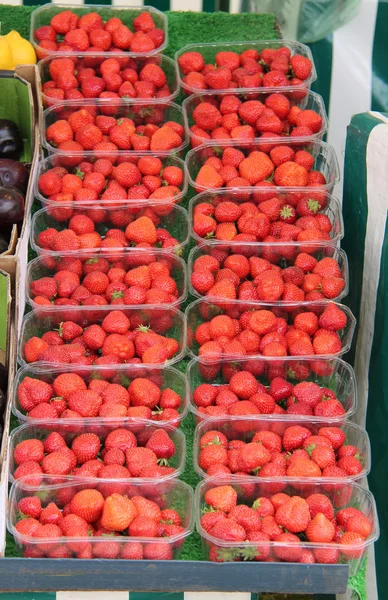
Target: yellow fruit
pixel 15 50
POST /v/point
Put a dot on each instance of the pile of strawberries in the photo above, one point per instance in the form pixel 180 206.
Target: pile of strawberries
pixel 244 395
pixel 231 166
pixel 136 226
pixel 272 67
pixel 121 455
pixel 232 117
pixel 293 452
pixel 133 280
pixel 305 530
pixel 247 330
pixel 69 396
pixel 272 219
pixel 69 33
pixel 236 276
pixel 103 517
pixel 121 337
pixel 106 129
pixel 132 178
pixel 105 78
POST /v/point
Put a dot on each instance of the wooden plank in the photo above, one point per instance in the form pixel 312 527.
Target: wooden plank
pixel 18 574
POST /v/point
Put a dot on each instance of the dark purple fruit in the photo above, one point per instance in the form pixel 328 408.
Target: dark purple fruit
pixel 13 173
pixel 11 141
pixel 11 206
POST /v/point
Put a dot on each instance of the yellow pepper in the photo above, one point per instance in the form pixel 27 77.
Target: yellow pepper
pixel 15 50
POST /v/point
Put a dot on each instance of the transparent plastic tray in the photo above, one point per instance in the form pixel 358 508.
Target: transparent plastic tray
pixel 164 377
pixel 333 373
pixel 311 101
pixel 285 257
pixel 209 51
pixel 166 320
pixel 168 111
pixel 204 310
pixel 245 428
pixel 175 222
pixel 168 494
pixel 325 160
pixel 60 160
pixel 41 430
pixel 292 195
pixel 86 59
pixel 43 15
pixel 45 266
pixel 248 489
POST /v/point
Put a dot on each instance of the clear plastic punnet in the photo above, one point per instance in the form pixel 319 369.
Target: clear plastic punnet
pixel 173 494
pixel 311 101
pixel 49 265
pixel 165 378
pixel 204 310
pixel 171 218
pixel 245 429
pixel 138 434
pixel 143 113
pixel 325 160
pixel 42 16
pixel 163 320
pixel 283 547
pixel 328 373
pixel 276 254
pixel 88 160
pixel 209 51
pixel 331 207
pixel 90 60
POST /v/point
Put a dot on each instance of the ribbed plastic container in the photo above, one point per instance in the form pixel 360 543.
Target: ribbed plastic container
pixel 203 310
pixel 282 256
pixel 311 101
pixel 209 51
pixel 168 494
pixel 139 112
pixel 292 196
pixel 245 428
pixel 325 159
pixel 175 222
pixel 94 60
pixel 165 320
pixel 163 377
pixel 60 160
pixel 249 489
pixel 46 266
pixel 333 373
pixel 43 15
pixel 70 431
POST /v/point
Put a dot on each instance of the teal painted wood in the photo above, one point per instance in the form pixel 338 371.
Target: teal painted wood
pixel 150 596
pixel 379 60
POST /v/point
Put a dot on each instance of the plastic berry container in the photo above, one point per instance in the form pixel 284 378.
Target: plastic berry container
pixel 172 494
pixel 139 112
pixel 244 429
pixel 209 51
pixel 42 16
pixel 41 430
pixel 334 373
pixel 292 196
pixel 61 160
pixel 46 266
pixel 163 377
pixel 203 310
pixel 325 160
pixel 90 60
pixel 165 320
pixel 175 222
pixel 311 101
pixel 282 255
pixel 249 489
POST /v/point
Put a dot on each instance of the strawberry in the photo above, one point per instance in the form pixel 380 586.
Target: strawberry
pixel 293 515
pixel 301 66
pixel 222 498
pixel 86 447
pixel 157 551
pixel 28 450
pixel 319 503
pixel 118 512
pixel 87 504
pixel 161 444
